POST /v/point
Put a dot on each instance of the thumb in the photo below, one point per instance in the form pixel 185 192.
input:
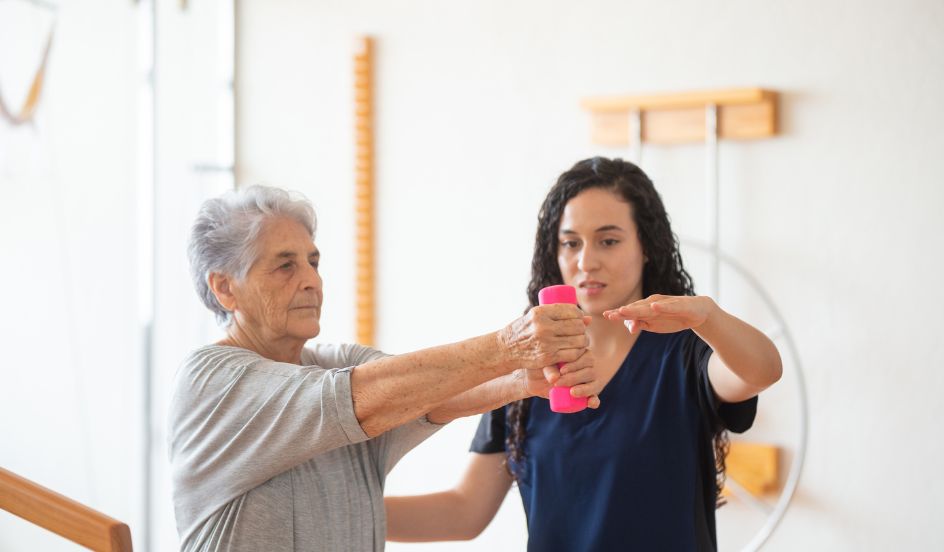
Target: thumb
pixel 587 320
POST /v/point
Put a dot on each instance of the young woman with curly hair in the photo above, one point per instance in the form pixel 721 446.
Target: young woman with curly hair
pixel 642 469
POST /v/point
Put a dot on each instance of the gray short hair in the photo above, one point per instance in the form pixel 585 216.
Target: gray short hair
pixel 224 235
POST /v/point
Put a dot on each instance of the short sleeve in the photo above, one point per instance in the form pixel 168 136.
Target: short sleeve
pixel 736 417
pixel 490 435
pixel 389 447
pixel 237 420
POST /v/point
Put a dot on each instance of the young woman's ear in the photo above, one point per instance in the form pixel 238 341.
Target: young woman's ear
pixel 222 290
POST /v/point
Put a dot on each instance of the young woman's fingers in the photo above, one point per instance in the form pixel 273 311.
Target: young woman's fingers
pixel 593 402
pixel 637 311
pixel 670 306
pixel 551 374
pixel 576 377
pixel 613 315
pixel 584 390
pixel 584 360
pixel 636 326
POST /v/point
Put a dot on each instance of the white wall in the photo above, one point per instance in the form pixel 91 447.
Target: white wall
pixel 93 242
pixel 194 128
pixel 478 112
pixel 71 386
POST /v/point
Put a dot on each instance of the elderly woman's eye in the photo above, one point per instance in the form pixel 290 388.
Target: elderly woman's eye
pixel 287 265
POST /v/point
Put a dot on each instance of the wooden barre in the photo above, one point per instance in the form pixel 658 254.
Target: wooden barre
pixel 62 515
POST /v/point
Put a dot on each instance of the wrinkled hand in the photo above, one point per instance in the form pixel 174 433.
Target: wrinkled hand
pixel 664 313
pixel 545 336
pixel 580 376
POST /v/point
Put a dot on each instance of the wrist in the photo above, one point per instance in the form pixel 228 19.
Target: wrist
pixel 713 318
pixel 517 386
pixel 501 352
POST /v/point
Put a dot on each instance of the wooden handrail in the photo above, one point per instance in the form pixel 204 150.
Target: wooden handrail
pixel 62 515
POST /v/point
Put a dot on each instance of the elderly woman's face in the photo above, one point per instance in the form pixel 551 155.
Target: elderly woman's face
pixel 281 295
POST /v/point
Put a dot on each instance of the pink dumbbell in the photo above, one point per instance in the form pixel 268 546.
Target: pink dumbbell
pixel 561 400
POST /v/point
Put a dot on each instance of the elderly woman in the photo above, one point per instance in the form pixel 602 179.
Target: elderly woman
pixel 278 446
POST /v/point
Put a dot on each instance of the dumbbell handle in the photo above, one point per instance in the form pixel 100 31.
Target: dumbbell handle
pixel 561 399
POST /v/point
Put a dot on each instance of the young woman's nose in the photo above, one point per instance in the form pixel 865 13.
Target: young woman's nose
pixel 587 261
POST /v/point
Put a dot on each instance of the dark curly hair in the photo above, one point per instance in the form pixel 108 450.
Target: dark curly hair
pixel 663 273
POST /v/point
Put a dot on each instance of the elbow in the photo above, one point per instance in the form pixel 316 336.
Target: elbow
pixel 371 426
pixel 470 522
pixel 368 418
pixel 776 373
pixel 776 368
pixel 470 531
pixel 371 420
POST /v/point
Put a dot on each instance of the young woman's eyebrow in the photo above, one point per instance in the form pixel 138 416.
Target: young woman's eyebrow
pixel 605 228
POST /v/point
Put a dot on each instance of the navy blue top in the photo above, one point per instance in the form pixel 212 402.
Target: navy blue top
pixel 636 474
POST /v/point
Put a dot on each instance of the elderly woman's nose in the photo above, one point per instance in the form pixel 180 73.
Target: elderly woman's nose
pixel 311 278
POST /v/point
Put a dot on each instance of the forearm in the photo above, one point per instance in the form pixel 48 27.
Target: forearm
pixel 745 351
pixel 482 398
pixel 394 390
pixel 458 514
pixel 428 518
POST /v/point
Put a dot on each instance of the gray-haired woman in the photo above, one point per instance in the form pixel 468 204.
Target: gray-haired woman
pixel 275 446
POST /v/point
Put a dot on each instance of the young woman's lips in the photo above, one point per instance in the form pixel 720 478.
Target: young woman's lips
pixel 591 288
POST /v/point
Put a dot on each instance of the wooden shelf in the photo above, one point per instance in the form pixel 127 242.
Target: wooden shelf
pixel 755 466
pixel 676 118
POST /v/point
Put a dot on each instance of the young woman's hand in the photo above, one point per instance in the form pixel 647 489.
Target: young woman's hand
pixel 664 313
pixel 580 375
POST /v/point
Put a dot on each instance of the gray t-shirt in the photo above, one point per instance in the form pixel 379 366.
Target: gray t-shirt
pixel 267 455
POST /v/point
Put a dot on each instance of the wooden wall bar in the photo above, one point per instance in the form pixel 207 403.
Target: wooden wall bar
pixel 364 189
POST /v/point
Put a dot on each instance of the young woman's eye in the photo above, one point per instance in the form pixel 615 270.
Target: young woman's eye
pixel 609 242
pixel 568 244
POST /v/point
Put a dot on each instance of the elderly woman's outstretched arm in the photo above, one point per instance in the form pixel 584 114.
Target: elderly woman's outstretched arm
pixel 394 390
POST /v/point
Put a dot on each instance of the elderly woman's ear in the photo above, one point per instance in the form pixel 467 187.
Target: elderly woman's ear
pixel 219 284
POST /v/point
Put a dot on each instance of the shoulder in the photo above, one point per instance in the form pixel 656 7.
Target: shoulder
pixel 684 340
pixel 490 434
pixel 221 357
pixel 216 367
pixel 339 355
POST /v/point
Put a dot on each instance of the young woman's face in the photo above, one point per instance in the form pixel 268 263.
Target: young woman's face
pixel 599 251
